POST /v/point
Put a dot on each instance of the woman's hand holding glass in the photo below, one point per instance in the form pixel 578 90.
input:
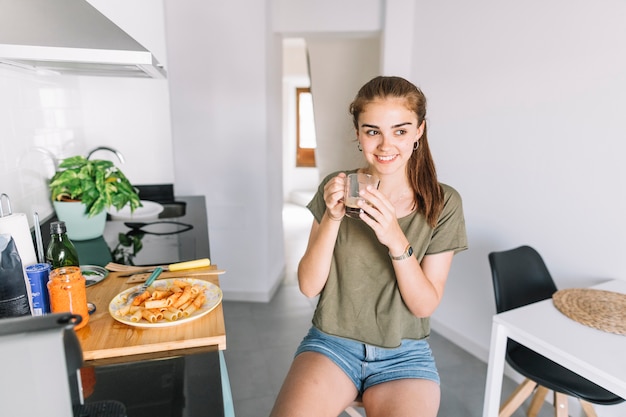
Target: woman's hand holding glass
pixel 380 215
pixel 333 197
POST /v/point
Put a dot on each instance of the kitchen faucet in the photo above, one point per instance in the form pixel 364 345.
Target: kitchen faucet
pixel 106 148
pixel 41 150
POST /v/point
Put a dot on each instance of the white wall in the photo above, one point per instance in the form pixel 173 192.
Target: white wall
pixel 527 124
pixel 40 118
pixel 133 115
pixel 224 76
pixel 526 121
pixel 326 17
pixel 398 42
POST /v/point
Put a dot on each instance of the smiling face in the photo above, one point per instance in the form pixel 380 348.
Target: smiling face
pixel 387 131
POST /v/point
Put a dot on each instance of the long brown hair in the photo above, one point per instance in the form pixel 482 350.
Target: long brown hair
pixel 421 167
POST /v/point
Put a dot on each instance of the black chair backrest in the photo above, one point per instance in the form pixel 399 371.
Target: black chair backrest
pixel 520 277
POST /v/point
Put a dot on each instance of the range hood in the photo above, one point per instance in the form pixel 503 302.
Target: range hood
pixel 69 37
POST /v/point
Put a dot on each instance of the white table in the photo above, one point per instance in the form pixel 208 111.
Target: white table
pixel 596 355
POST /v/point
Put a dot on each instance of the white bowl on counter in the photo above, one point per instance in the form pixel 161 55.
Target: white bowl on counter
pixel 149 211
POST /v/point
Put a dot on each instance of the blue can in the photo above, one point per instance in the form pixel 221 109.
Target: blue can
pixel 38 275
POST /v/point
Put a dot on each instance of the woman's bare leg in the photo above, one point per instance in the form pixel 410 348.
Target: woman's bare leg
pixel 402 398
pixel 315 386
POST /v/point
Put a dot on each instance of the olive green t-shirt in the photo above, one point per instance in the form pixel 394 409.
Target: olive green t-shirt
pixel 361 299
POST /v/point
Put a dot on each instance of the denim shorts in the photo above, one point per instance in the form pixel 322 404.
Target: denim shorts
pixel 368 365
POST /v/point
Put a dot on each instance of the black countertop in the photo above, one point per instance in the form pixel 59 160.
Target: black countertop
pixel 189 385
pixel 181 236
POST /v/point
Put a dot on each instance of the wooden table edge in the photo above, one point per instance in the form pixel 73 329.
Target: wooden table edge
pixel 98 360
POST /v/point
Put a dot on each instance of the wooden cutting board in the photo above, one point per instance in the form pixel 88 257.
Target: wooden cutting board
pixel 104 340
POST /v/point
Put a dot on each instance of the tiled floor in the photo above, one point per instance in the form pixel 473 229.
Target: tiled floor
pixel 262 338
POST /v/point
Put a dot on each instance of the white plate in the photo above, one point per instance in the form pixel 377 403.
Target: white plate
pixel 212 292
pixel 150 210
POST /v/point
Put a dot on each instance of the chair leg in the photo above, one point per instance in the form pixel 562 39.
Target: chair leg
pixel 588 408
pixel 351 411
pixel 538 399
pixel 560 404
pixel 516 399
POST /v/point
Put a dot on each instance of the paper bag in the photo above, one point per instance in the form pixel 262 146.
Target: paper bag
pixel 14 295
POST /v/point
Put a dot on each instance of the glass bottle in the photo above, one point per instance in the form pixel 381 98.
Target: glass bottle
pixel 68 293
pixel 61 250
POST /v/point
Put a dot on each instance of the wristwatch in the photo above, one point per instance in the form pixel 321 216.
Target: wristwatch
pixel 408 252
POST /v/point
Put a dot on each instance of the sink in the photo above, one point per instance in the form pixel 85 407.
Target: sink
pixel 173 209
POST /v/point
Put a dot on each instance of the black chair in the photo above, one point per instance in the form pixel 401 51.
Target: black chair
pixel 520 277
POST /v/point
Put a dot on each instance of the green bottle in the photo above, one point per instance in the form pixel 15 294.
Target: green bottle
pixel 61 250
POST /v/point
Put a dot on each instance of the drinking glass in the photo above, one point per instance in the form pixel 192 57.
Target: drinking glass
pixel 354 184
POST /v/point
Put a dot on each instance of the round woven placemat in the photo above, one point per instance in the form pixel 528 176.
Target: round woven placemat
pixel 602 310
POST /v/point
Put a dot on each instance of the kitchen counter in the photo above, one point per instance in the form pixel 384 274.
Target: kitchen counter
pixel 188 385
pixel 156 249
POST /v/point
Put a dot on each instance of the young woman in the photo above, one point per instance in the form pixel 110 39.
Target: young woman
pixel 381 276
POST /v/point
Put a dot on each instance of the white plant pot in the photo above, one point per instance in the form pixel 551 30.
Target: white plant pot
pixel 79 225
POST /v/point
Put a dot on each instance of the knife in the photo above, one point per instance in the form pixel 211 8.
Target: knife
pixel 179 266
pixel 141 277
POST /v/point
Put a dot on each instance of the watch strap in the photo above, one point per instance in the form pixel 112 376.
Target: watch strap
pixel 408 252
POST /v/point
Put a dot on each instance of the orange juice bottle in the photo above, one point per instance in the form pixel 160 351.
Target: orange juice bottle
pixel 68 293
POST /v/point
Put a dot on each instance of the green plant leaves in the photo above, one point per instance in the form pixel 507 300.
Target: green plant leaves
pixel 128 247
pixel 99 184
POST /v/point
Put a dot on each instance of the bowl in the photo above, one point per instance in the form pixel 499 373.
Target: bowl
pixel 149 211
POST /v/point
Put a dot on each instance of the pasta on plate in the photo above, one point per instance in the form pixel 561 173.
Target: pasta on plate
pixel 167 302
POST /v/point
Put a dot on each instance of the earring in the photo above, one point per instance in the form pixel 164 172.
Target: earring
pixel 359 147
pixel 415 145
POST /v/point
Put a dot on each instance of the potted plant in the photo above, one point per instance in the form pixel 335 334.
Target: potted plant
pixel 82 191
